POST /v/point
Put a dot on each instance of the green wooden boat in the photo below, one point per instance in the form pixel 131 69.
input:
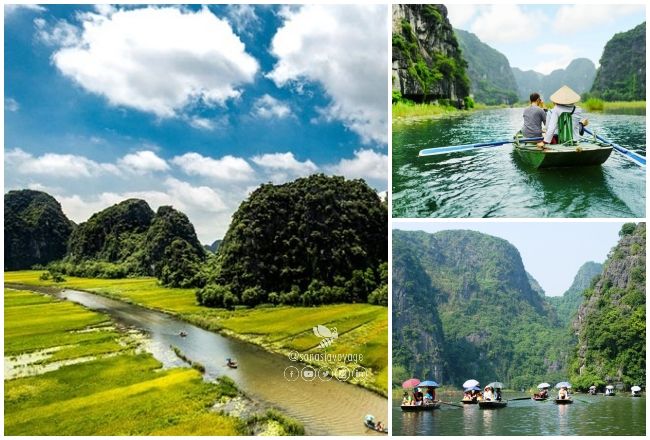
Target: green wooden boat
pixel 571 154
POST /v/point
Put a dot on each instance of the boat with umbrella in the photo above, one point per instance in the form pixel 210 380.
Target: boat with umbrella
pixel 609 391
pixel 543 391
pixel 563 396
pixel 472 387
pixel 495 401
pixel 592 390
pixel 418 403
pixel 636 391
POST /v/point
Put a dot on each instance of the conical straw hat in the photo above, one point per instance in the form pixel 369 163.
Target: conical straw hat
pixel 565 96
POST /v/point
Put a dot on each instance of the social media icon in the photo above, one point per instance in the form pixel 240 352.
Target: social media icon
pixel 308 373
pixel 291 374
pixel 359 373
pixel 343 373
pixel 324 374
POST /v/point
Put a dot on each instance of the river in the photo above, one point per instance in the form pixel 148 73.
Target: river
pixel 493 182
pixel 323 407
pixel 588 415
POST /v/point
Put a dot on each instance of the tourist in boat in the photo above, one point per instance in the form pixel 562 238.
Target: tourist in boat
pixel 428 398
pixel 488 393
pixel 419 397
pixel 432 392
pixel 565 100
pixel 563 393
pixel 407 399
pixel 497 395
pixel 543 393
pixel 534 117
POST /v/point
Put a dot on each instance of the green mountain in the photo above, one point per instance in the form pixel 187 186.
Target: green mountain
pixel 315 240
pixel 579 75
pixel 567 304
pixel 611 321
pixel 491 78
pixel 621 75
pixel 36 229
pixel 494 324
pixel 534 284
pixel 427 60
pixel 128 239
pixel 214 247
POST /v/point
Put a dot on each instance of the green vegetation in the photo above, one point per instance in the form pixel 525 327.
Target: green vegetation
pixel 611 331
pixel 36 230
pixel 491 78
pixel 362 328
pixel 464 307
pixel 616 107
pixel 128 239
pixel 430 68
pixel 567 304
pixel 317 240
pixel 621 75
pixel 121 394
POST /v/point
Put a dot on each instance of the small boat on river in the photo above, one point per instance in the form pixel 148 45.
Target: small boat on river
pixel 566 401
pixel 424 407
pixel 609 391
pixel 492 404
pixel 469 401
pixel 369 422
pixel 570 154
pixel 539 399
pixel 182 334
pixel 231 363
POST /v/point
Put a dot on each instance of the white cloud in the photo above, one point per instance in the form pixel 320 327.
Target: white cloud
pixel 460 15
pixel 154 59
pixel 504 23
pixel 268 107
pixel 575 18
pixel 202 197
pixel 344 49
pixel 366 164
pixel 282 167
pixel 243 17
pixel 143 162
pixel 561 55
pixel 228 168
pixel 11 105
pixel 10 9
pixel 57 165
pixel 61 34
pixel 202 123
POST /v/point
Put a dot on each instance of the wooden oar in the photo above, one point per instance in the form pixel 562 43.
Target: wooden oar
pixel 630 155
pixel 451 404
pixel 520 398
pixel 467 147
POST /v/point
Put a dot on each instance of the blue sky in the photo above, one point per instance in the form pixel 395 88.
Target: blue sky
pixel 551 251
pixel 191 106
pixel 546 37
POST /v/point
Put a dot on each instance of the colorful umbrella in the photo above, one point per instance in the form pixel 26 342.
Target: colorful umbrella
pixel 610 387
pixel 543 385
pixel 411 383
pixel 563 385
pixel 470 383
pixel 476 388
pixel 429 383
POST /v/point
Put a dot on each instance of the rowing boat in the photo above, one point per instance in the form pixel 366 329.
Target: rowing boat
pixel 563 401
pixel 492 404
pixel 469 401
pixel 563 155
pixel 427 407
pixel 539 399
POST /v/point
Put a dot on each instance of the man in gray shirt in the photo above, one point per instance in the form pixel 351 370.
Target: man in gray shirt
pixel 534 117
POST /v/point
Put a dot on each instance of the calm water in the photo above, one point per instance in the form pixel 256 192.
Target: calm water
pixel 324 408
pixel 493 182
pixel 588 415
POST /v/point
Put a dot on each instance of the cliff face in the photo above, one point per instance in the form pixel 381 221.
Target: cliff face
pixel 610 323
pixel 567 304
pixel 36 229
pixel 492 81
pixel 427 60
pixel 621 75
pixel 579 75
pixel 493 324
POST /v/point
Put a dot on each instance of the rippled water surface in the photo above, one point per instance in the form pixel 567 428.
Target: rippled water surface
pixel 588 415
pixel 493 182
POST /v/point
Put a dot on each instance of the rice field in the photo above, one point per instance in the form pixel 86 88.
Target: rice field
pixel 362 328
pixel 114 391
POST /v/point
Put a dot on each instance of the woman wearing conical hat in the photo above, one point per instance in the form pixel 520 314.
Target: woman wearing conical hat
pixel 565 100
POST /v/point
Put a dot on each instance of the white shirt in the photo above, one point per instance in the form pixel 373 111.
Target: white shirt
pixel 553 116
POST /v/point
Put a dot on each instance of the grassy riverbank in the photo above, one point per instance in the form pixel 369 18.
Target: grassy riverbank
pixel 362 328
pixel 403 111
pixel 107 387
pixel 615 107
